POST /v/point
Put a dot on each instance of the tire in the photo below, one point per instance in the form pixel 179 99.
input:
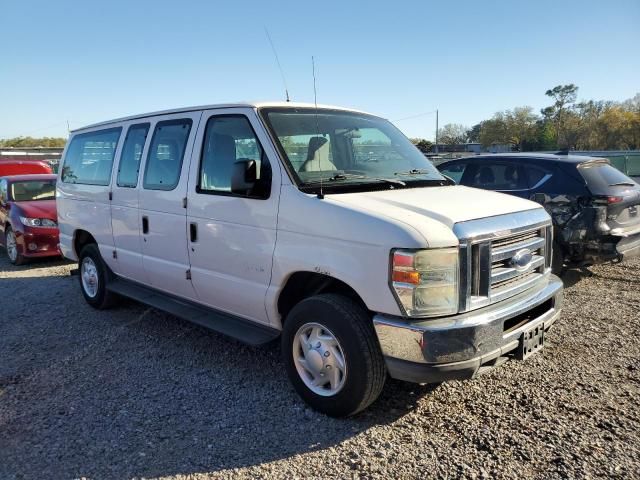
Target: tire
pixel 94 276
pixel 557 259
pixel 364 371
pixel 13 251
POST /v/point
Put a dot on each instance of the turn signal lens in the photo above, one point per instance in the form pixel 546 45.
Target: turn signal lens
pixel 406 277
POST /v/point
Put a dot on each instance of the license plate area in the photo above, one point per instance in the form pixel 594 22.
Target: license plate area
pixel 531 342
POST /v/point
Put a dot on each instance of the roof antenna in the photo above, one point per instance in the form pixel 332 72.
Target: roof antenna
pixel 275 54
pixel 315 102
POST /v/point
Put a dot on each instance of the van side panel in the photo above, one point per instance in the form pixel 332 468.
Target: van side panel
pixel 164 245
pixel 84 207
pixel 125 216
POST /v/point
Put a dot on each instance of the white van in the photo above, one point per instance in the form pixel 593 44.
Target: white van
pixel 322 226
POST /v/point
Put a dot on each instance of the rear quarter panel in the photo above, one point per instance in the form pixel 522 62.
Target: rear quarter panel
pixel 84 207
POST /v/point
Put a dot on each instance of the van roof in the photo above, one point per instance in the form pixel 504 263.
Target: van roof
pixel 217 106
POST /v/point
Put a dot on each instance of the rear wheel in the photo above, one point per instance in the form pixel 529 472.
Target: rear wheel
pixel 94 276
pixel 332 355
pixel 13 251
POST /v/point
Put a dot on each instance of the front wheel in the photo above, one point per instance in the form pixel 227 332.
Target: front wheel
pixel 332 355
pixel 13 251
pixel 94 276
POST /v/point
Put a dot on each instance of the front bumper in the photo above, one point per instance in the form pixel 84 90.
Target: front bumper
pixel 39 243
pixel 628 247
pixel 461 346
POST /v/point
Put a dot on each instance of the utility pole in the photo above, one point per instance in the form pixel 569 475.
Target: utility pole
pixel 436 130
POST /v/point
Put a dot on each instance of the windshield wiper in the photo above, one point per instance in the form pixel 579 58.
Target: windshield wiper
pixel 347 176
pixel 631 184
pixel 414 171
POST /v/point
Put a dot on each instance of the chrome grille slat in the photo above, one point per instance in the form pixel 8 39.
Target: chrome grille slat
pixel 508 251
pixel 501 273
pixel 501 242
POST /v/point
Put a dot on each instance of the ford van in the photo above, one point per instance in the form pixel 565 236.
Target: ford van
pixel 319 226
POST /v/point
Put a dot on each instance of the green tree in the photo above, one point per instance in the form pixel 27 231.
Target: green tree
pixel 563 96
pixel 473 134
pixel 49 142
pixel 520 125
pixel 452 134
pixel 423 145
pixel 494 130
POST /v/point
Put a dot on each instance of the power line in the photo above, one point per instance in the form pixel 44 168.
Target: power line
pixel 415 116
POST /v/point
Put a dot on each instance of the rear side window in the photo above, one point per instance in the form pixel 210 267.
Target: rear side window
pixel 166 153
pixel 454 171
pixel 229 139
pixel 129 165
pixel 499 176
pixel 602 178
pixel 536 176
pixel 89 157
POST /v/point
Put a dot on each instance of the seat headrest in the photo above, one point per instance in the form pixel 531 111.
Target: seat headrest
pixel 486 175
pixel 315 143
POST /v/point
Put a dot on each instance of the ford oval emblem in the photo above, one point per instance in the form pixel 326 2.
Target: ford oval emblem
pixel 521 260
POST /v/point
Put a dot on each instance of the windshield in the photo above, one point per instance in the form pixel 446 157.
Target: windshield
pixel 33 190
pixel 344 148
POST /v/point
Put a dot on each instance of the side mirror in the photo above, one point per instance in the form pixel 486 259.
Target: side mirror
pixel 244 176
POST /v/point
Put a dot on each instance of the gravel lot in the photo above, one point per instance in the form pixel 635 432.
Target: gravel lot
pixel 132 392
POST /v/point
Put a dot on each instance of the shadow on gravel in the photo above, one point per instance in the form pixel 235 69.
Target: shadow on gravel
pixel 31 264
pixel 132 392
pixel 572 277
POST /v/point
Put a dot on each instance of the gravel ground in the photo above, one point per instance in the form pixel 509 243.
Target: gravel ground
pixel 132 392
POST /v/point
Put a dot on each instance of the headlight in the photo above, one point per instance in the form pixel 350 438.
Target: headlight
pixel 426 281
pixel 38 222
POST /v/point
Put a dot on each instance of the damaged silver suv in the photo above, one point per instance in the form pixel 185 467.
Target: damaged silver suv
pixel 595 208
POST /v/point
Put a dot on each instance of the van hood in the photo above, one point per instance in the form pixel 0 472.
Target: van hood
pixel 448 205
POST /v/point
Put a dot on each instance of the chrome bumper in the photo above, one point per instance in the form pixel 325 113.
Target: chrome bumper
pixel 457 347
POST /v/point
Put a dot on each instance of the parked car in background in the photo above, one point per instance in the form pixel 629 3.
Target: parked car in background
pixel 595 208
pixel 24 167
pixel 322 226
pixel 28 217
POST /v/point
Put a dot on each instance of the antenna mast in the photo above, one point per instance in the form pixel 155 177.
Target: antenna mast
pixel 315 102
pixel 275 54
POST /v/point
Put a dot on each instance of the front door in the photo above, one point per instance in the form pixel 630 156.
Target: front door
pixel 163 213
pixel 232 235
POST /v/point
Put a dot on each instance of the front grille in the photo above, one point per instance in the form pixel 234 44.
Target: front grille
pixel 496 266
pixel 506 274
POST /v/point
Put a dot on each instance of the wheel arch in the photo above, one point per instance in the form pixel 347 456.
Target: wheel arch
pixel 304 284
pixel 81 238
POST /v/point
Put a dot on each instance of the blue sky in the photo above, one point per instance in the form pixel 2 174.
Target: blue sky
pixel 88 61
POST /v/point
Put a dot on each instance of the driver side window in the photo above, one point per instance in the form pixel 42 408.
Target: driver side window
pixel 230 139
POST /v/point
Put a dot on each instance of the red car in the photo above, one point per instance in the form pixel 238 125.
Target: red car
pixel 23 167
pixel 28 217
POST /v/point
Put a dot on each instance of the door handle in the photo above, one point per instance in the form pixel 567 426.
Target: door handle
pixel 193 232
pixel 145 224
